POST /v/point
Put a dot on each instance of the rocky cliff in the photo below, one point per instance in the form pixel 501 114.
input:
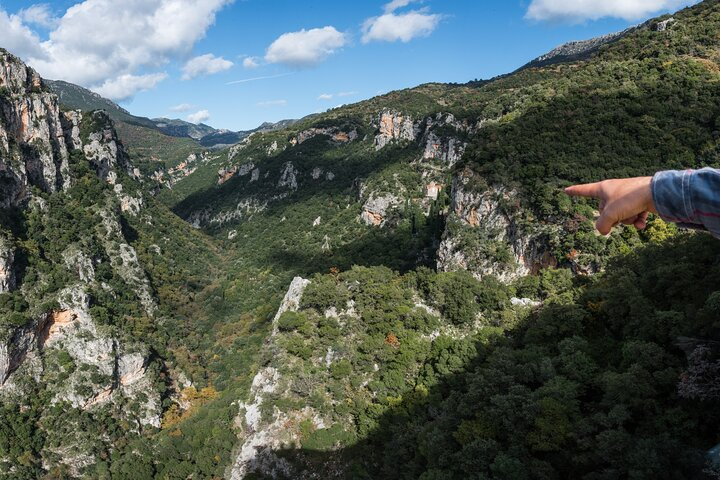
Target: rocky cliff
pixel 34 134
pixel 489 234
pixel 71 187
pixel 7 265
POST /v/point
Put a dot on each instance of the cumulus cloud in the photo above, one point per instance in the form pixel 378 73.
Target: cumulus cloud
pixel 205 65
pixel 126 86
pixel 404 27
pixel 396 4
pixel 272 103
pixel 38 14
pixel 305 48
pixel 579 10
pixel 199 116
pixel 250 62
pixel 183 107
pixel 98 42
pixel 17 38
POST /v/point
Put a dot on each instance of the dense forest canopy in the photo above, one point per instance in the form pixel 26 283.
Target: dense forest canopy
pixel 601 363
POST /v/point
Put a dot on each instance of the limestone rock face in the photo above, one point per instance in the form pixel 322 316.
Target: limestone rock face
pixel 260 438
pixel 577 48
pixel 663 26
pixel 226 173
pixel 439 143
pixel 124 260
pixel 244 209
pixel 446 150
pixel 376 208
pixel 109 370
pixel 288 178
pixel 394 126
pixel 245 169
pixel 77 262
pixel 34 134
pixel 14 350
pixel 7 265
pixel 494 217
pixel 291 301
pixel 104 149
pixel 336 135
pixel 72 127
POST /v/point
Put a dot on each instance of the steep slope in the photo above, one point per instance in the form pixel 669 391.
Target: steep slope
pixel 75 97
pixel 645 102
pixel 501 150
pixel 107 301
pixel 503 359
pixel 374 375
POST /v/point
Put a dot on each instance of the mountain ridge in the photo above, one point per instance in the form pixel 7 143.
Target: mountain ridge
pixel 79 98
pixel 396 288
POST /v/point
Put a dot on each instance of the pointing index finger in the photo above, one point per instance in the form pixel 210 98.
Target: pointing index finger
pixel 590 190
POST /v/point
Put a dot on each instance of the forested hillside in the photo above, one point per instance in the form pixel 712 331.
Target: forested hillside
pixel 448 311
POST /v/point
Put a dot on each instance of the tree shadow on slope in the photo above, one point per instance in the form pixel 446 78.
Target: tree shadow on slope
pixel 398 248
pixel 586 389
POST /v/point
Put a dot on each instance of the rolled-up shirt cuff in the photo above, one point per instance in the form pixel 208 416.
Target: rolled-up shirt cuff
pixel 690 198
pixel 672 196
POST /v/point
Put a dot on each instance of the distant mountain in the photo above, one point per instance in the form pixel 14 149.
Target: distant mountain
pixel 579 50
pixel 223 138
pixel 396 288
pixel 181 128
pixel 79 98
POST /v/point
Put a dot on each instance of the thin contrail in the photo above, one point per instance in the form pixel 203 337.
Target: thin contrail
pixel 245 80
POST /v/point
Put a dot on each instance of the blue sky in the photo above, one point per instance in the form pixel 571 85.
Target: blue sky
pixel 235 64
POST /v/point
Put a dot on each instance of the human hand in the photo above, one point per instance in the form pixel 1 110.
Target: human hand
pixel 625 201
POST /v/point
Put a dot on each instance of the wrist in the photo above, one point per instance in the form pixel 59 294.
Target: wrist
pixel 647 186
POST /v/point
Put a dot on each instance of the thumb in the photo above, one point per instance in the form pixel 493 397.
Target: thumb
pixel 606 221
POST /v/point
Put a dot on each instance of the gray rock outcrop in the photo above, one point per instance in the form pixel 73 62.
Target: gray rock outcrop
pixel 494 220
pixel 394 126
pixel 7 265
pixel 260 438
pixel 33 140
pixel 288 178
pixel 103 148
pixel 376 209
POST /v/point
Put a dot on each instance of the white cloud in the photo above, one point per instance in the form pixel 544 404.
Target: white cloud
pixel 305 48
pixel 579 10
pixel 207 64
pixel 395 4
pixel 330 96
pixel 250 62
pixel 272 103
pixel 392 27
pixel 17 38
pixel 126 86
pixel 38 14
pixel 99 41
pixel 199 117
pixel 183 107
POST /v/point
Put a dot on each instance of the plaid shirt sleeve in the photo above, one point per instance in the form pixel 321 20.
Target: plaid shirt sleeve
pixel 690 198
